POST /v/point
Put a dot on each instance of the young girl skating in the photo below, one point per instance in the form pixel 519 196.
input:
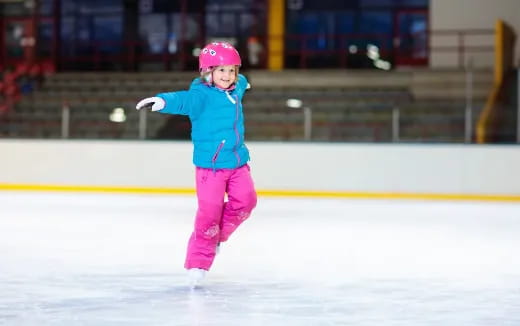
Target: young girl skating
pixel 214 106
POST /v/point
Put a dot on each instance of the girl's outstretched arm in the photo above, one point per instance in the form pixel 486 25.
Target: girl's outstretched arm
pixel 181 102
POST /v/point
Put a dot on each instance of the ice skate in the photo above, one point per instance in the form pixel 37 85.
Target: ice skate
pixel 195 276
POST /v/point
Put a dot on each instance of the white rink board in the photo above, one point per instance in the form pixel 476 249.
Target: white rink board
pixel 383 168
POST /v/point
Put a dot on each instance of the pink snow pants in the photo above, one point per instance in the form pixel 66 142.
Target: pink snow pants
pixel 216 220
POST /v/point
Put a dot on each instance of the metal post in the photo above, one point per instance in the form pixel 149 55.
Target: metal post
pixel 468 115
pixel 65 120
pixel 142 124
pixel 307 123
pixel 395 124
pixel 518 105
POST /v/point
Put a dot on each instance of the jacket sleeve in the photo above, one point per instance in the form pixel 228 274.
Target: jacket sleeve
pixel 182 102
pixel 242 84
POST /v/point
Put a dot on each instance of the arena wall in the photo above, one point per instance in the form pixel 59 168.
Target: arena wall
pixel 470 14
pixel 279 169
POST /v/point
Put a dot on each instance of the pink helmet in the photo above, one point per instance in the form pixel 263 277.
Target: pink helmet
pixel 218 54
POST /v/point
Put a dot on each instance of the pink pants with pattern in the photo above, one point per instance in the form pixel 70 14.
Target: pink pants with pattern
pixel 216 220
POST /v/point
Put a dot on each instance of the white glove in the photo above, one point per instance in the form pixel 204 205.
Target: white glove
pixel 157 103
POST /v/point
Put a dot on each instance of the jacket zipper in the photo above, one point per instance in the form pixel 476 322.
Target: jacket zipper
pixel 237 112
pixel 215 156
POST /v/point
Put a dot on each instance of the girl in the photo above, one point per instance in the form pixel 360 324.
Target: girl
pixel 214 106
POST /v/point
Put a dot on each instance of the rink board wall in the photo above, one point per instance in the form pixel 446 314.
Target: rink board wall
pixel 289 169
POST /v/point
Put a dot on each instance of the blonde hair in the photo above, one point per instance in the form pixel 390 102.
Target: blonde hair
pixel 207 75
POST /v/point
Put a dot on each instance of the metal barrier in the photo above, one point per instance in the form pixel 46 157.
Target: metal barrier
pixel 339 51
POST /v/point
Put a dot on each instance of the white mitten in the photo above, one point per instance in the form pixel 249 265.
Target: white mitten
pixel 157 103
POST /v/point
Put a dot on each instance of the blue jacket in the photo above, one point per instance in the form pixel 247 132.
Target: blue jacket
pixel 217 122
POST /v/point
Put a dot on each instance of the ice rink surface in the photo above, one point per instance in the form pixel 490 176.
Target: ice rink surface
pixel 107 259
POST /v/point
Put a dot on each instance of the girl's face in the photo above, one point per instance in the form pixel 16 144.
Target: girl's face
pixel 224 76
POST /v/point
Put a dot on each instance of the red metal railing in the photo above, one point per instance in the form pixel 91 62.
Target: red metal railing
pixel 301 51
